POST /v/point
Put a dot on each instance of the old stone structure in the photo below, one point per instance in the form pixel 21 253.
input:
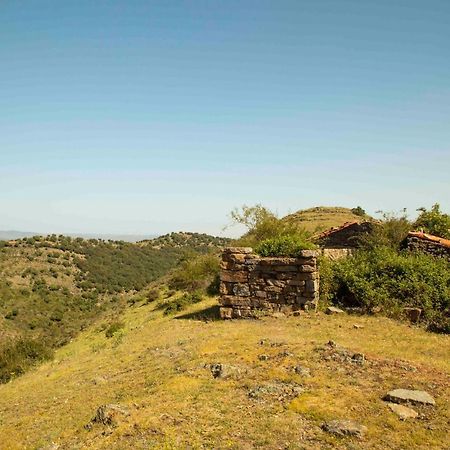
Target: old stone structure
pixel 251 285
pixel 427 243
pixel 347 236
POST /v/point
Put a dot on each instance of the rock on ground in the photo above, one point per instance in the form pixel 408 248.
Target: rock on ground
pixel 108 415
pixel 333 310
pixel 403 412
pixel 414 397
pixel 344 428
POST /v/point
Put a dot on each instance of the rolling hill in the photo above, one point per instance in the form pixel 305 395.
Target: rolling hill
pixel 321 218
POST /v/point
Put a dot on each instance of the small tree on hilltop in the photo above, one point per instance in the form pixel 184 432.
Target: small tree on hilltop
pixel 433 221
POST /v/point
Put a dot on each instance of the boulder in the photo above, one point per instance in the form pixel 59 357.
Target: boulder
pixel 414 397
pixel 413 314
pixel 403 412
pixel 344 428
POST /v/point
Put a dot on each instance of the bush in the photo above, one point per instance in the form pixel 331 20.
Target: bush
pixel 16 357
pixel 434 221
pixel 390 280
pixel 358 211
pixel 113 328
pixel 390 232
pixel 196 273
pixel 152 295
pixel 284 246
pixel 182 302
pixel 262 224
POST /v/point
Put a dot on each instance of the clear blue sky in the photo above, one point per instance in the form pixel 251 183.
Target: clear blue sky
pixel 147 117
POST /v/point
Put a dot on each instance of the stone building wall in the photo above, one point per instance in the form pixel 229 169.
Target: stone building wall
pixel 426 243
pixel 251 285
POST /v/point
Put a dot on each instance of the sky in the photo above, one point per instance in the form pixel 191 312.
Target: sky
pixel 146 117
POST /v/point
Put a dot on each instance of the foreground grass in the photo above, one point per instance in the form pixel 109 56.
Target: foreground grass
pixel 155 366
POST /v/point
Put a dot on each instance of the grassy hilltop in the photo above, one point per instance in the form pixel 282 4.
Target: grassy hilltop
pixel 321 218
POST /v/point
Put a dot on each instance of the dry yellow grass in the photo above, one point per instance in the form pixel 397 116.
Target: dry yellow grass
pixel 156 368
pixel 322 218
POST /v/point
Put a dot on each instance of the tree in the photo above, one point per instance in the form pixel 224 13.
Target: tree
pixel 433 221
pixel 261 224
pixel 358 211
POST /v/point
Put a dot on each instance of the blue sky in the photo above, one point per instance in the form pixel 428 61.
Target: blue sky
pixel 148 117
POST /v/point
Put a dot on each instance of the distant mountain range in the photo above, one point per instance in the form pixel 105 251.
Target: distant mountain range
pixel 15 234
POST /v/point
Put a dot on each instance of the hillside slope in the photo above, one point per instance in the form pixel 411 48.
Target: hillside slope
pixel 52 287
pixel 160 371
pixel 321 218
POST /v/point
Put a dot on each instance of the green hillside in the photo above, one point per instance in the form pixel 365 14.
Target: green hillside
pixel 321 218
pixel 52 287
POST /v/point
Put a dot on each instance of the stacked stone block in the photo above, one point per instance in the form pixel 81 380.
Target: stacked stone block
pixel 251 285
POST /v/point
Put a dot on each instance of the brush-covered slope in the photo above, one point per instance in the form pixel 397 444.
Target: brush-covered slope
pixel 321 218
pixel 52 287
pixel 278 382
pixel 182 239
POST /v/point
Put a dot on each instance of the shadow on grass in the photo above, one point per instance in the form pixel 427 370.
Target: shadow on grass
pixel 209 314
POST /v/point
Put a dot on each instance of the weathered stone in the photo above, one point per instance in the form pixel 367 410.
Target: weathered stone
pixel 109 415
pixel 244 250
pixel 359 358
pixel 234 276
pixel 309 253
pixel 303 371
pixel 344 428
pixel 413 314
pixel 267 284
pixel 241 290
pixel 311 285
pixel 226 313
pixel 414 397
pixel 333 310
pixel 403 412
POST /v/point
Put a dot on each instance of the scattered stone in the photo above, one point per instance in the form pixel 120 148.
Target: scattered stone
pixel 333 310
pixel 263 357
pixel 357 327
pixel 219 370
pixel 359 358
pixel 414 397
pixel 303 371
pixel 332 344
pixel 344 428
pixel 280 391
pixel 403 412
pixel 285 354
pixel 108 415
pixel 413 314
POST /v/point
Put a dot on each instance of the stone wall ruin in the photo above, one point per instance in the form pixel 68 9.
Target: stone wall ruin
pixel 251 285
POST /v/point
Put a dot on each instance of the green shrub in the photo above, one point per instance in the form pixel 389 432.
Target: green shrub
pixel 18 356
pixel 182 302
pixel 113 328
pixel 390 232
pixel 196 273
pixel 391 280
pixel 152 295
pixel 284 246
pixel 434 221
pixel 262 224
